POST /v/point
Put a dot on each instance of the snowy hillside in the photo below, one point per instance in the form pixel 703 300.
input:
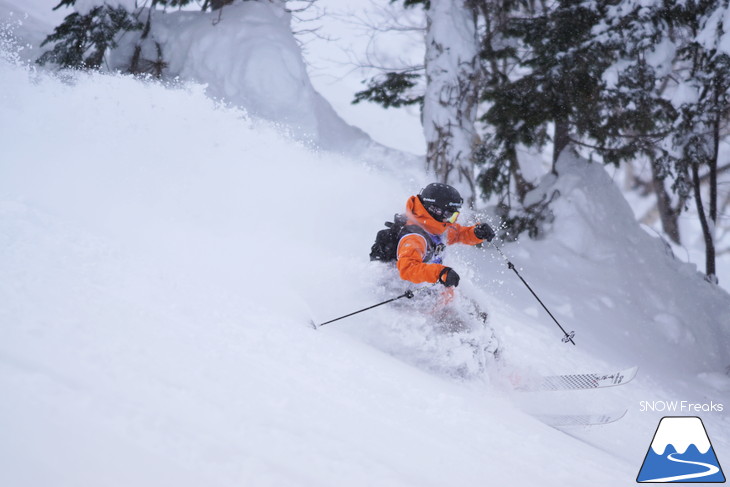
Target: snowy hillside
pixel 162 256
pixel 157 291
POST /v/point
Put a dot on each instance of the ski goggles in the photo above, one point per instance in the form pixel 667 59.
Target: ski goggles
pixel 445 215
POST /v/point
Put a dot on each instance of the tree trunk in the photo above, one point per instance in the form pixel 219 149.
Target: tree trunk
pixel 453 72
pixel 134 66
pixel 561 139
pixel 218 4
pixel 713 163
pixel 522 186
pixel 715 154
pixel 667 213
pixel 707 232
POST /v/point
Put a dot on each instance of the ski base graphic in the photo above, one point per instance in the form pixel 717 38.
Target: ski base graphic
pixel 577 381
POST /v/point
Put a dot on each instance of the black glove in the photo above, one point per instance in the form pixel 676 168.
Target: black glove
pixel 484 232
pixel 449 277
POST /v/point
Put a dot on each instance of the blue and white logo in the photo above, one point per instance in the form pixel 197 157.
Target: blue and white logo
pixel 681 452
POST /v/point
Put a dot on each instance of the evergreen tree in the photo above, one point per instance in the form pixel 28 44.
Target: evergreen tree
pixel 396 88
pixel 561 81
pixel 603 75
pixel 703 119
pixel 680 136
pixel 497 57
pixel 637 117
pixel 82 40
pixel 391 89
pixel 542 74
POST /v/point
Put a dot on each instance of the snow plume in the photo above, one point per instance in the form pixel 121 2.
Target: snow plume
pixel 9 49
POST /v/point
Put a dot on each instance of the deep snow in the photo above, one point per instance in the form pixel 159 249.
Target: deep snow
pixel 157 290
pixel 162 256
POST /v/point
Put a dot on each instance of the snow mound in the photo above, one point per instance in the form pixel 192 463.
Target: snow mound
pixel 621 289
pixel 246 55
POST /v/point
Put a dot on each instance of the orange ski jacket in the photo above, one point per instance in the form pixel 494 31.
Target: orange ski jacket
pixel 413 248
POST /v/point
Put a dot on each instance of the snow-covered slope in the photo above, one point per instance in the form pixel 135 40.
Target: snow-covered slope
pixel 155 302
pixel 161 257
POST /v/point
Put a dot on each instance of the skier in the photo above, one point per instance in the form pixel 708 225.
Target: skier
pixel 430 226
pixel 455 333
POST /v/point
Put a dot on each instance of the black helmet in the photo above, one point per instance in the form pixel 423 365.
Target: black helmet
pixel 441 201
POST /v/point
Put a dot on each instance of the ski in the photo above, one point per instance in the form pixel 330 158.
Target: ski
pixel 562 420
pixel 569 382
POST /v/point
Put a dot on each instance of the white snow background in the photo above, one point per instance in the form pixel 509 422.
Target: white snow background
pixel 161 256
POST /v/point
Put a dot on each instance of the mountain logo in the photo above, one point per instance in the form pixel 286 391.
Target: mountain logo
pixel 681 452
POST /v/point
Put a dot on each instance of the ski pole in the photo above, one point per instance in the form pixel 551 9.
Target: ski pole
pixel 568 337
pixel 408 294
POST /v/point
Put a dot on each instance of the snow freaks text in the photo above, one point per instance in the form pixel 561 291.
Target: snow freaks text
pixel 680 407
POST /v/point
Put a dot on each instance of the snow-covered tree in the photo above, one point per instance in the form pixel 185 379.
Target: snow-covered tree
pixel 669 102
pixel 453 74
pixel 446 86
pixel 705 113
pixel 500 173
pixel 636 114
pixel 95 27
pixel 558 81
pixel 634 82
pixel 83 38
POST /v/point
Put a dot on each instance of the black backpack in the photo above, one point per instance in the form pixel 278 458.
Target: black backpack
pixel 385 248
